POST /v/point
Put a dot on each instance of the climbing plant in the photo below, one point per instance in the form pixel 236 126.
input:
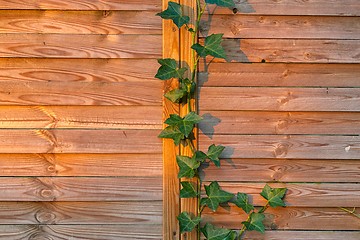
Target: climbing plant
pixel 181 128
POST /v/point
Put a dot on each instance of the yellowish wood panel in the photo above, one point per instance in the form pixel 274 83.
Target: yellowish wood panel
pixel 80 46
pixel 106 165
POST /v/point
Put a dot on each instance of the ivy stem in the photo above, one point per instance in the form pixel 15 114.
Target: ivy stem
pixel 352 212
pixel 243 229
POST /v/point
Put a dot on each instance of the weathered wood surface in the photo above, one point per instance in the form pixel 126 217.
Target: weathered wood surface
pixel 302 235
pixel 280 74
pixel 290 218
pixel 80 93
pixel 79 141
pixel 105 213
pixel 281 27
pixel 254 122
pixel 284 170
pixel 286 146
pixel 80 46
pixel 80 232
pixel 280 99
pixel 80 189
pixel 82 4
pixel 291 51
pixel 78 70
pixel 79 22
pixel 106 165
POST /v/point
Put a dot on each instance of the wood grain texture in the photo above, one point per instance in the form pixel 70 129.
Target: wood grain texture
pixel 79 232
pixel 80 93
pixel 285 75
pixel 282 27
pixel 82 4
pixel 78 70
pixel 303 194
pixel 319 219
pixel 80 46
pixel 284 170
pixel 88 189
pixel 106 165
pixel 291 7
pixel 253 122
pixel 79 141
pixel 287 146
pixel 280 99
pixel 291 51
pixel 80 117
pixel 59 213
pixel 79 22
pixel 302 235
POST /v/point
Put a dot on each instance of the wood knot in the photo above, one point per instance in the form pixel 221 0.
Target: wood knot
pixel 278 173
pixel 281 150
pixel 47 194
pixel 44 217
pixel 106 13
pixel 40 236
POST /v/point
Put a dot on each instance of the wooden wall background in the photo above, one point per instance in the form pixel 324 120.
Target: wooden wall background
pixel 79 116
pixel 287 106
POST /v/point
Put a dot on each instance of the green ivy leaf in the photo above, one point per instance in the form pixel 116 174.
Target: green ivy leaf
pixel 212 47
pixel 187 222
pixel 174 12
pixel 175 95
pixel 215 233
pixel 255 222
pixel 188 166
pixel 214 152
pixel 174 120
pixel 200 156
pixel 242 201
pixel 184 125
pixel 221 3
pixel 215 196
pixel 173 133
pixel 169 69
pixel 188 190
pixel 274 196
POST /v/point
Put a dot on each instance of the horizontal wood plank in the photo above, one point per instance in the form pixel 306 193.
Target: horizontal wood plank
pixel 291 7
pixel 280 99
pixel 302 194
pixel 105 213
pixel 291 51
pixel 284 75
pixel 87 189
pixel 282 27
pixel 80 93
pixel 80 46
pixel 287 146
pixel 331 219
pixel 79 232
pixel 106 165
pixel 79 22
pixel 82 4
pixel 302 235
pixel 252 122
pixel 283 170
pixel 79 141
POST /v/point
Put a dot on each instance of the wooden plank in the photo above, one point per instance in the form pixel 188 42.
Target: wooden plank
pixel 78 70
pixel 84 117
pixel 299 170
pixel 109 165
pixel 79 232
pixel 331 219
pixel 303 235
pixel 88 189
pixel 303 194
pixel 287 146
pixel 80 46
pixel 284 75
pixel 105 213
pixel 282 27
pixel 79 141
pixel 82 4
pixel 280 99
pixel 252 122
pixel 291 51
pixel 292 7
pixel 79 22
pixel 80 93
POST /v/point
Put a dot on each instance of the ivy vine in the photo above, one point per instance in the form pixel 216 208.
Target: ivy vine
pixel 180 129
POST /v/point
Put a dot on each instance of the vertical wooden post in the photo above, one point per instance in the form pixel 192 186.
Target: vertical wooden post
pixel 171 186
